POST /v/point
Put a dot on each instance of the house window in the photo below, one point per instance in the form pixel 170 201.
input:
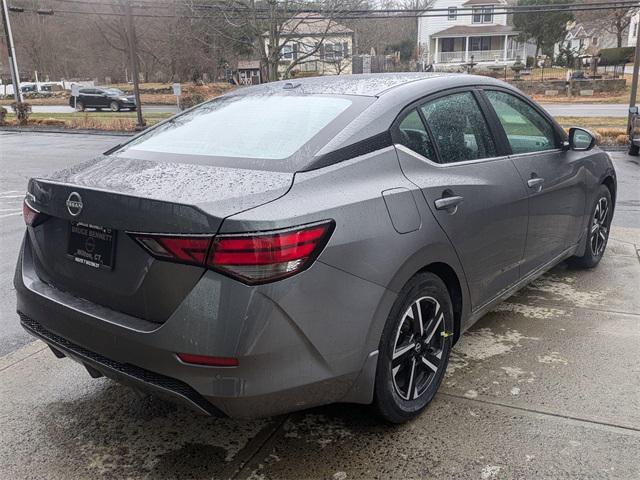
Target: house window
pixel 594 41
pixel 480 43
pixel 287 52
pixel 453 13
pixel 334 51
pixel 448 44
pixel 482 14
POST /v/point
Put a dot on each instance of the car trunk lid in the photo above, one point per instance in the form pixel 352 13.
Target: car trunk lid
pixel 125 195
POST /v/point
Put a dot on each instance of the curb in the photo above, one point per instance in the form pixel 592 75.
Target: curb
pixel 66 130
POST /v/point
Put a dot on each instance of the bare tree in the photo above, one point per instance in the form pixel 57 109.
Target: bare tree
pixel 269 29
pixel 615 21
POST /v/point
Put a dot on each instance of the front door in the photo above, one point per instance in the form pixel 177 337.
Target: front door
pixel 474 192
pixel 554 178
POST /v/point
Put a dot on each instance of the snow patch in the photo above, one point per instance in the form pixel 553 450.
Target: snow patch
pixel 489 471
pixel 530 311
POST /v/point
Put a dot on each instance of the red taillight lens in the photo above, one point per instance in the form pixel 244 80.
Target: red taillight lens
pixel 251 258
pixel 32 217
pixel 207 360
pixel 264 257
pixel 191 249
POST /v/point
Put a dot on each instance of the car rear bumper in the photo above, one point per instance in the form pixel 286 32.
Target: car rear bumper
pixel 292 354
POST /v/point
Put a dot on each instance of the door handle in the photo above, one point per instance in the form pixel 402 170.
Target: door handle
pixel 535 182
pixel 447 203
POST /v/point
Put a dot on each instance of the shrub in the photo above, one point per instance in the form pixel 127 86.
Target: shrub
pixel 191 99
pixel 616 56
pixel 22 111
pixel 3 115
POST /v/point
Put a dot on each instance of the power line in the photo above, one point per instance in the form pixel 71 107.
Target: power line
pixel 348 14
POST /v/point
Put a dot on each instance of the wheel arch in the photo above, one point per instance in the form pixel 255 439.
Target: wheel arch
pixel 450 278
pixel 610 183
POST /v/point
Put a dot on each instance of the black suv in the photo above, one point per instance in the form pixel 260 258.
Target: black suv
pixel 99 98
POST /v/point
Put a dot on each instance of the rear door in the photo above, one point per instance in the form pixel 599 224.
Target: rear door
pixel 447 148
pixel 553 177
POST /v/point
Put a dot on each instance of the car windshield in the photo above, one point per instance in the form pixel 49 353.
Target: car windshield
pixel 113 91
pixel 260 127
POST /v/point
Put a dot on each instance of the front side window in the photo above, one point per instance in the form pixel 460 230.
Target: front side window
pixel 526 130
pixel 414 136
pixel 266 127
pixel 459 128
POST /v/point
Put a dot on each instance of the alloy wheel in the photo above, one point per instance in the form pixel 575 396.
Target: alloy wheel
pixel 418 348
pixel 599 227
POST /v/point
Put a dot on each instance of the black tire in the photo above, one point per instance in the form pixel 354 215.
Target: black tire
pixel 80 107
pixel 597 230
pixel 397 397
pixel 114 106
pixel 634 150
pixel 98 109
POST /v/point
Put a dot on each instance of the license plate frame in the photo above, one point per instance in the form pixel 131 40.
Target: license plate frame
pixel 91 245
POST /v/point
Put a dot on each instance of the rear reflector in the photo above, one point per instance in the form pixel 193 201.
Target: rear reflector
pixel 32 217
pixel 207 360
pixel 265 257
pixel 251 258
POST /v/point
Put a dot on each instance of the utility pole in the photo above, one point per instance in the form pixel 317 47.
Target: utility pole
pixel 133 56
pixel 11 51
pixel 634 82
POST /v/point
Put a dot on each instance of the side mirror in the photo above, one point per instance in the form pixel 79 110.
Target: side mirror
pixel 580 139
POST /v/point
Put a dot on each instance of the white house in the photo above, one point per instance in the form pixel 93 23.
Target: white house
pixel 585 39
pixel 316 44
pixel 634 26
pixel 469 28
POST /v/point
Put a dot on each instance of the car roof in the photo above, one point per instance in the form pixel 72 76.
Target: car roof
pixel 373 84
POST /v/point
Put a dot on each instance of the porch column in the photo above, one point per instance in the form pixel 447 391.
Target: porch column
pixel 435 52
pixel 506 43
pixel 466 50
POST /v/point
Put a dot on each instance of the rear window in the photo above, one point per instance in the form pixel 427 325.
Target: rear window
pixel 263 127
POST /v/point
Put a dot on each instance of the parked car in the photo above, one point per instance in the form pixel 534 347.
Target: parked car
pixel 102 98
pixel 306 242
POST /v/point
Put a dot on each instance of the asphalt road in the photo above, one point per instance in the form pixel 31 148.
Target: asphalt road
pixel 559 109
pixel 586 109
pixel 25 155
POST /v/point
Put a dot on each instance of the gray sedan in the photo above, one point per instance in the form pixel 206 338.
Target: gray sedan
pixel 307 242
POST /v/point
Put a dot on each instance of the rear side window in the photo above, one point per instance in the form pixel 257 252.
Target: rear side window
pixel 459 128
pixel 267 127
pixel 526 130
pixel 414 136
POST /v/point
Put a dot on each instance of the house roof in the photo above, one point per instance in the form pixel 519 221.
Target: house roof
pixel 248 64
pixel 479 30
pixel 484 2
pixel 311 24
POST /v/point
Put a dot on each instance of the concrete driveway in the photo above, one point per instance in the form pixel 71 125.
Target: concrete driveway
pixel 545 386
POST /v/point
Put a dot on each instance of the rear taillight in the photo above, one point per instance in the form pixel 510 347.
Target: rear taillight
pixel 264 257
pixel 191 249
pixel 252 258
pixel 32 217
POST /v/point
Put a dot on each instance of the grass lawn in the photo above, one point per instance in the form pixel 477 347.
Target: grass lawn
pixel 120 121
pixel 593 122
